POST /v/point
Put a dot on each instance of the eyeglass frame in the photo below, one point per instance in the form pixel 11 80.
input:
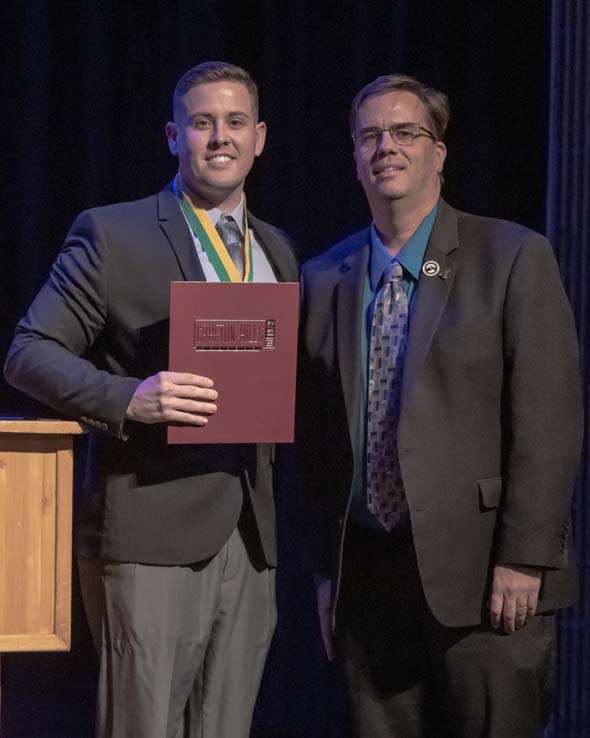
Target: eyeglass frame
pixel 393 130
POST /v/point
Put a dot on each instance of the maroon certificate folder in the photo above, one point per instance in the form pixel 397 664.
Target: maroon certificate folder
pixel 244 338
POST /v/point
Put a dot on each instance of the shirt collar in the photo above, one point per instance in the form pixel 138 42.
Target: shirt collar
pixel 237 214
pixel 411 255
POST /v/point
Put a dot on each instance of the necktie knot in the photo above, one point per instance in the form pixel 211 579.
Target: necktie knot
pixel 393 272
pixel 228 230
pixel 392 279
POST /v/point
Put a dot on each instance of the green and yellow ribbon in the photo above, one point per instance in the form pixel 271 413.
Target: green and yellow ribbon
pixel 203 228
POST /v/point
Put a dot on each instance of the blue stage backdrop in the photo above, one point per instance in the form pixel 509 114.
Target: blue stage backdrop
pixel 568 227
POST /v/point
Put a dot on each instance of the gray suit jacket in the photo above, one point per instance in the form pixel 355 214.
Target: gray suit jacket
pixel 96 329
pixel 490 428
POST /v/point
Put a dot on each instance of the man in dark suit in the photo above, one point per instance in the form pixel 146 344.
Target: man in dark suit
pixel 441 428
pixel 182 538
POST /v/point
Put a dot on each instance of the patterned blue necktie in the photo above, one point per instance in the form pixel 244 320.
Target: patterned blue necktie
pixel 229 233
pixel 385 490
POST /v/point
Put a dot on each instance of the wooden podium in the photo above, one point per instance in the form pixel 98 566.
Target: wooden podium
pixel 36 464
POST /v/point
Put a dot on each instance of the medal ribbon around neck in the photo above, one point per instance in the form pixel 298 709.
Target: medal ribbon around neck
pixel 203 228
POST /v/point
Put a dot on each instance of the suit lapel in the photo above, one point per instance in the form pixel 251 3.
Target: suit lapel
pixel 179 237
pixel 174 227
pixel 275 247
pixel 431 295
pixel 349 325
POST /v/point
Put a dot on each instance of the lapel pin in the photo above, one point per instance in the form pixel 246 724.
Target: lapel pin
pixel 445 274
pixel 430 268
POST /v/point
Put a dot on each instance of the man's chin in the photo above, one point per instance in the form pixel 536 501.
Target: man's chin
pixel 390 194
pixel 216 193
pixel 391 188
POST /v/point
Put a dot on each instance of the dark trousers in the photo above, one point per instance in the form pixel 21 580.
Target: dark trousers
pixel 411 677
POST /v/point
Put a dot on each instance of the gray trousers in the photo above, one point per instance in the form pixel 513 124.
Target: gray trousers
pixel 182 648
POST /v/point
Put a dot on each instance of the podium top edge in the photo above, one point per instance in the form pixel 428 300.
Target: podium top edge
pixel 44 426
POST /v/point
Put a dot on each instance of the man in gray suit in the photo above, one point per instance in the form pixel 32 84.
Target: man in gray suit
pixel 441 428
pixel 181 538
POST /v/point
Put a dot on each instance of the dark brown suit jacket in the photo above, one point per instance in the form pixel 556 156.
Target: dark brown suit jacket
pixel 96 329
pixel 491 422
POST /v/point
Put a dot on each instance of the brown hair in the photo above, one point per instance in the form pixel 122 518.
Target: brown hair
pixel 436 103
pixel 215 71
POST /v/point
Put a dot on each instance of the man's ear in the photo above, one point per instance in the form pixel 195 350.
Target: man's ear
pixel 441 154
pixel 172 137
pixel 260 138
pixel 356 164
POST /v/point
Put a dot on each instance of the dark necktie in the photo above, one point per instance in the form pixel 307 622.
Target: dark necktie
pixel 385 491
pixel 230 234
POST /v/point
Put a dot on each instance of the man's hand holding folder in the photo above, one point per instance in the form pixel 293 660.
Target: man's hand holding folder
pixel 173 397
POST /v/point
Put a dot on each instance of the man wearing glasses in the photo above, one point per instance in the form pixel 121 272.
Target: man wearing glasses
pixel 442 351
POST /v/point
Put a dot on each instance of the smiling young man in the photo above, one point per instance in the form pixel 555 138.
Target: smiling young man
pixel 216 136
pixel 176 544
pixel 442 352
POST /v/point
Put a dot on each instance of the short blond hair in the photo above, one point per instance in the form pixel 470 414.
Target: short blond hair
pixel 215 71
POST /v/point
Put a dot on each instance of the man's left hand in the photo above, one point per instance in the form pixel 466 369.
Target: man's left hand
pixel 514 596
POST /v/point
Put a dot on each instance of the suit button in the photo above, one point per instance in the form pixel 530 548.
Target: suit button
pixel 83 418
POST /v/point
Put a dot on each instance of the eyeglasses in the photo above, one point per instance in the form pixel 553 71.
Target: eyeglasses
pixel 403 134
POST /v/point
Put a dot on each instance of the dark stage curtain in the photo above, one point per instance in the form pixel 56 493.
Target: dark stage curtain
pixel 88 89
pixel 568 227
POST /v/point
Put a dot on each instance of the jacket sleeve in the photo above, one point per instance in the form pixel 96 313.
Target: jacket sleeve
pixel 543 411
pixel 321 465
pixel 49 356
